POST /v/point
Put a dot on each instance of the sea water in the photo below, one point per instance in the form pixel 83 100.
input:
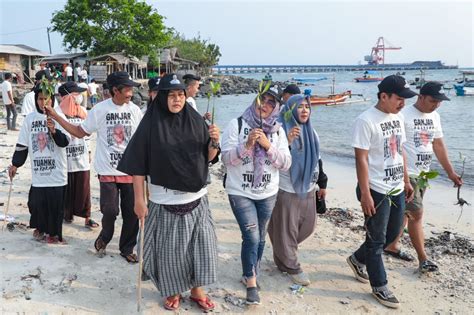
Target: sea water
pixel 334 123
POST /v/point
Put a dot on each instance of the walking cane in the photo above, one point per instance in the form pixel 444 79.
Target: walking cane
pixel 8 203
pixel 140 257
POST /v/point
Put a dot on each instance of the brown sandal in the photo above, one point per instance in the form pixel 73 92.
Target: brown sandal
pixel 130 258
pixel 172 303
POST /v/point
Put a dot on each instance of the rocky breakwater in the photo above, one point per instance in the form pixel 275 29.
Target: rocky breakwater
pixel 233 85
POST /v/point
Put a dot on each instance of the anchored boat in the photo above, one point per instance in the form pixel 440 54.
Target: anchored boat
pixel 369 76
pixel 466 87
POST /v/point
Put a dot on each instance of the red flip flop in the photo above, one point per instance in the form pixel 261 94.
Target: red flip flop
pixel 205 304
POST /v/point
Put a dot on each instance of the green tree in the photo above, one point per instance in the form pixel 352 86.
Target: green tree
pixel 103 26
pixel 197 49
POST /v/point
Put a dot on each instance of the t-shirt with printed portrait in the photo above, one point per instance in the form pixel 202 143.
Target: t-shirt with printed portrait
pixel 382 135
pixel 421 129
pixel 48 161
pixel 115 126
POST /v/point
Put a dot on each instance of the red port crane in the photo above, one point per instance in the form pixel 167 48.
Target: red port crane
pixel 377 56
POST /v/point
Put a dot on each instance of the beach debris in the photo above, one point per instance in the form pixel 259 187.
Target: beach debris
pixel 297 289
pixel 344 301
pixel 341 217
pixel 65 284
pixel 234 300
pixel 21 226
pixel 448 243
pixel 35 274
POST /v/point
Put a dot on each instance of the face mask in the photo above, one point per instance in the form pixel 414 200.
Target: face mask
pixel 78 99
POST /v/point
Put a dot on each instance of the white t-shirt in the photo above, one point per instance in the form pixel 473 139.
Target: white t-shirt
pixel 6 87
pixel 285 177
pixel 192 102
pixel 84 94
pixel 93 88
pixel 382 135
pixel 83 74
pixel 69 71
pixel 56 87
pixel 240 176
pixel 28 105
pixel 421 129
pixel 115 126
pixel 48 161
pixel 165 196
pixel 78 149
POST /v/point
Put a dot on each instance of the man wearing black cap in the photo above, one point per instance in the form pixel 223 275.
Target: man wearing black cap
pixel 383 183
pixel 152 92
pixel 115 120
pixel 289 91
pixel 424 136
pixel 28 105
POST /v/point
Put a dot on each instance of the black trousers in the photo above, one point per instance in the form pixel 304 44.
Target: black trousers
pixel 110 196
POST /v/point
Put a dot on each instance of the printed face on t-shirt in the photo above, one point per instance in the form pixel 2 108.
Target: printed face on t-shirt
pixel 42 141
pixel 424 137
pixel 119 134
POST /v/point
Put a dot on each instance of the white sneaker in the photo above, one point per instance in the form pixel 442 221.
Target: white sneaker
pixel 300 278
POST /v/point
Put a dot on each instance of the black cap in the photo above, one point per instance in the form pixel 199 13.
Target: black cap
pixel 120 78
pixel 274 91
pixel 153 84
pixel 434 89
pixel 396 84
pixel 70 87
pixel 43 73
pixel 190 76
pixel 170 82
pixel 292 89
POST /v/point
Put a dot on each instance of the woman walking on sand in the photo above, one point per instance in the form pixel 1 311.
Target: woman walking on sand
pixel 78 191
pixel 45 142
pixel 254 149
pixel 294 216
pixel 172 146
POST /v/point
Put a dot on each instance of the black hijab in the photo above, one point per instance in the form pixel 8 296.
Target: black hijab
pixel 171 148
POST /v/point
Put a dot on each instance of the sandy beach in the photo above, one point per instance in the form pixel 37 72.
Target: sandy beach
pixel 71 279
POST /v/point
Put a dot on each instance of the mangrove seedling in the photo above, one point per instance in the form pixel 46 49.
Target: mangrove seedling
pixel 388 194
pixel 461 202
pixel 215 88
pixel 263 87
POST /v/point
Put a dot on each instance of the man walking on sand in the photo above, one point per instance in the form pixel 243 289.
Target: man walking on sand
pixel 383 183
pixel 7 96
pixel 424 136
pixel 115 121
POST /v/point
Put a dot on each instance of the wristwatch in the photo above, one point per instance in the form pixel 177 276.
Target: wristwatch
pixel 215 145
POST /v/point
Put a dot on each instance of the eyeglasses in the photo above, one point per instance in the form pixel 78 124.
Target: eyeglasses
pixel 268 100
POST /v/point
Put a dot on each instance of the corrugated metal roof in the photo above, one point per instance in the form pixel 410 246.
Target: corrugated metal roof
pixel 64 56
pixel 21 50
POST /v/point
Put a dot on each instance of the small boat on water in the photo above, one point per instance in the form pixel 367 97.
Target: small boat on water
pixel 331 99
pixel 308 79
pixel 369 76
pixel 466 87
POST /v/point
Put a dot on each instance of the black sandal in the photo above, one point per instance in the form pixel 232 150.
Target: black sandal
pixel 130 258
pixel 91 224
pixel 428 266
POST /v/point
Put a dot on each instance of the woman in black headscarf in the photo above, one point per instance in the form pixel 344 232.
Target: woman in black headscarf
pixel 173 146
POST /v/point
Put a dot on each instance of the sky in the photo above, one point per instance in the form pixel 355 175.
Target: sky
pixel 288 32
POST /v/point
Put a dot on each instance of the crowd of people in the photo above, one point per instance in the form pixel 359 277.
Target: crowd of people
pixel 153 168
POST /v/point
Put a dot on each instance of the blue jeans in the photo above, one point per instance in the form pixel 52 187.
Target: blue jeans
pixel 382 229
pixel 253 217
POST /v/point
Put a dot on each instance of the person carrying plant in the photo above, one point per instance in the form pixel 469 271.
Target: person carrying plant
pixel 424 136
pixel 254 150
pixel 383 183
pixel 45 142
pixel 294 217
pixel 115 121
